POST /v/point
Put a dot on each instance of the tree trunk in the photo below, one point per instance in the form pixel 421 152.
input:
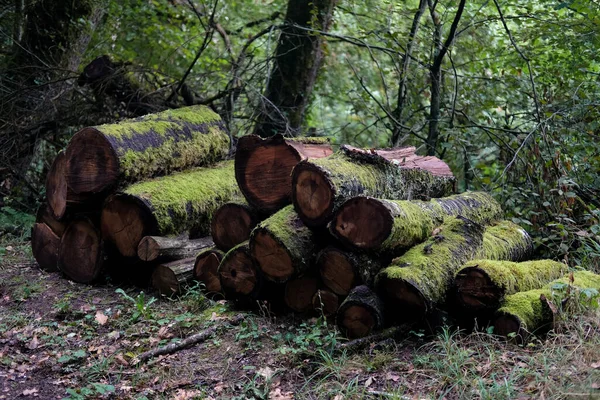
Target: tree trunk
pixel 298 57
pixel 361 313
pixel 299 293
pixel 99 158
pixel 263 168
pixel 319 187
pixel 282 246
pixel 206 269
pixel 325 302
pixel 171 279
pixel 164 249
pixel 170 205
pixel 81 252
pixel 342 270
pixel 481 285
pixel 391 226
pixel 232 224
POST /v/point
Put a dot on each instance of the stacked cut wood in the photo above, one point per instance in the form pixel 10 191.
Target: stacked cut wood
pixel 371 238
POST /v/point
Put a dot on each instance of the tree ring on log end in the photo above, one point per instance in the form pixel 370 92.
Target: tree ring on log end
pixel 272 258
pixel 363 222
pixel 206 270
pixel 56 186
pixel 80 253
pixel 238 274
pixel 505 325
pixel 92 164
pixel 165 281
pixel 358 321
pixel 148 249
pixel 231 225
pixel 44 246
pixel 406 299
pixel 476 290
pixel 336 271
pixel 299 293
pixel 313 194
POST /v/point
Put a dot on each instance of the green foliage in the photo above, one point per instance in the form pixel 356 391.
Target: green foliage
pixel 91 391
pixel 15 223
pixel 141 303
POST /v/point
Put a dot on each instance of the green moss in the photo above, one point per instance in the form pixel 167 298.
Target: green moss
pixel 187 200
pixel 310 140
pixel 506 241
pixel 529 310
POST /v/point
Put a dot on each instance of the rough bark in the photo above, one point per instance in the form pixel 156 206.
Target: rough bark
pixel 263 167
pixel 232 224
pixel 481 285
pixel 325 302
pixel 342 270
pixel 391 226
pixel 206 269
pixel 319 187
pixel 531 312
pixel 81 252
pixel 299 293
pixel 60 197
pixel 169 205
pixel 164 249
pixel 171 279
pixel 100 158
pixel 298 57
pixel 282 246
pixel 361 313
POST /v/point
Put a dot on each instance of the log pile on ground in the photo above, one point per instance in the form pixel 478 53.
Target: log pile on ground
pixel 369 238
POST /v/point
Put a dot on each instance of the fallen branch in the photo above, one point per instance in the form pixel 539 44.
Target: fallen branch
pixel 189 341
pixel 357 344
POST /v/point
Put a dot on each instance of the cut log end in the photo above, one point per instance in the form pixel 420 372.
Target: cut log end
pixel 206 270
pixel 238 274
pixel 44 215
pixel 363 222
pixel 336 271
pixel 476 291
pixel 406 299
pixel 170 278
pixel 80 255
pixel 148 249
pixel 231 225
pixel 357 321
pixel 44 246
pixel 272 258
pixel 299 293
pixel 507 325
pixel 325 302
pixel 313 194
pixel 92 165
pixel 56 186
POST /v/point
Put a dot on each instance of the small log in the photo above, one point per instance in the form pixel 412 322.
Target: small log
pixel 171 279
pixel 206 269
pixel 343 270
pixel 361 313
pixel 60 196
pixel 81 252
pixel 299 293
pixel 263 167
pixel 532 312
pixel 391 226
pixel 232 224
pixel 44 215
pixel 170 205
pixel 282 246
pixel 325 302
pixel 481 285
pixel 319 187
pixel 239 276
pixel 44 246
pixel 99 158
pixel 163 249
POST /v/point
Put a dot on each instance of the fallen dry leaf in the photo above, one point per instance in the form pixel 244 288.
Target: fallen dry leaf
pixel 164 333
pixel 219 387
pixel 392 377
pixel 369 381
pixel 34 343
pixel 101 318
pixel 595 365
pixel 30 392
pixel 182 394
pixel 121 360
pixel 265 372
pixel 596 385
pixel 277 394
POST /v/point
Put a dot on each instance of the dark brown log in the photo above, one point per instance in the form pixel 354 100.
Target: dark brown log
pixel 299 293
pixel 164 249
pixel 171 279
pixel 325 302
pixel 232 224
pixel 44 246
pixel 319 187
pixel 342 270
pixel 239 275
pixel 263 167
pixel 206 269
pixel 44 215
pixel 100 158
pixel 81 253
pixel 361 313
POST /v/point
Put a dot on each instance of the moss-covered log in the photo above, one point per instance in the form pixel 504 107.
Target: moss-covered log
pixel 169 205
pixel 240 277
pixel 481 285
pixel 361 313
pixel 206 269
pixel 342 270
pixel 164 249
pixel 263 167
pixel 299 293
pixel 531 312
pixel 282 245
pixel 81 252
pixel 172 278
pixel 325 302
pixel 392 226
pixel 99 158
pixel 418 280
pixel 232 224
pixel 319 187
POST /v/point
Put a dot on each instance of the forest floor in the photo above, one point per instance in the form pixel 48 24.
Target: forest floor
pixel 59 339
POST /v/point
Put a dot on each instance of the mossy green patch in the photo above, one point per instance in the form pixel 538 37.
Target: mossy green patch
pixel 309 140
pixel 506 241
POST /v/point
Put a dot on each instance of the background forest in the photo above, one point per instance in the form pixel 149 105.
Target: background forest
pixel 504 91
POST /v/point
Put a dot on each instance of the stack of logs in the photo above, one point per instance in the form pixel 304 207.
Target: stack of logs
pixel 368 237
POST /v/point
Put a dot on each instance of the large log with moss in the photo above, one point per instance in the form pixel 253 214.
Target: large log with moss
pixel 101 157
pixel 263 167
pixel 81 253
pixel 164 249
pixel 282 246
pixel 45 238
pixel 391 226
pixel 531 312
pixel 416 282
pixel 481 285
pixel 342 270
pixel 172 278
pixel 169 205
pixel 299 292
pixel 361 313
pixel 319 187
pixel 232 224
pixel 206 269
